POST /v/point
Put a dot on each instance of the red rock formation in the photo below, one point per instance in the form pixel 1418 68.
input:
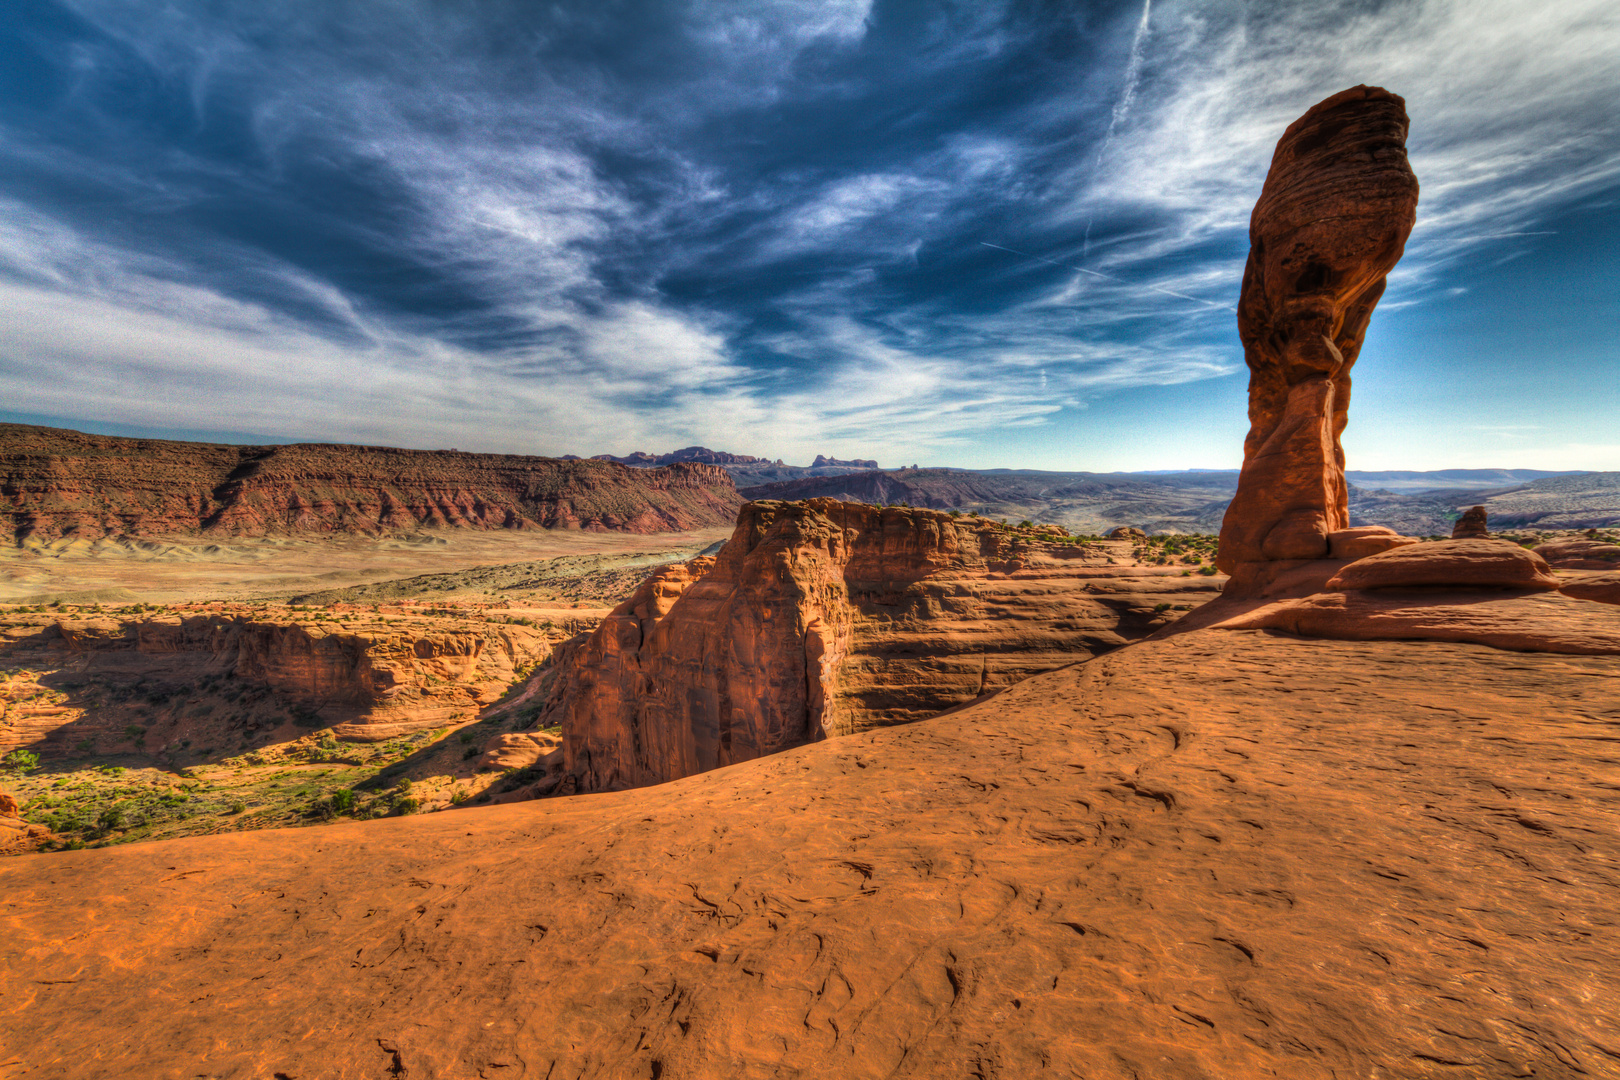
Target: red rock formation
pixel 1331 222
pixel 824 618
pixel 1471 526
pixel 1575 554
pixel 1449 564
pixel 57 483
pixel 8 805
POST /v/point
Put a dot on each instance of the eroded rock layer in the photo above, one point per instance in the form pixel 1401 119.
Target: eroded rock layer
pixel 56 483
pixel 1331 222
pixel 824 618
pixel 82 683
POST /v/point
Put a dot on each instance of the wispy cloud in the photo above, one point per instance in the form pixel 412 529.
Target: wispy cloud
pixel 783 227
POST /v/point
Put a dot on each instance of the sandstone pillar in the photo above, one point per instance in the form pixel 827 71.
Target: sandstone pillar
pixel 1332 221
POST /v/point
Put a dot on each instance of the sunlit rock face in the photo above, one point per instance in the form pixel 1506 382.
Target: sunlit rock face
pixel 1332 221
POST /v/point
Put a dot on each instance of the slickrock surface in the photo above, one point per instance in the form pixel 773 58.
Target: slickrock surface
pixel 1603 587
pixel 56 483
pixel 1453 563
pixel 1568 622
pixel 1331 222
pixel 1575 554
pixel 822 618
pixel 1227 854
pixel 182 677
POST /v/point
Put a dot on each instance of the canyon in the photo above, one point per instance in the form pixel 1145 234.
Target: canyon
pixel 822 618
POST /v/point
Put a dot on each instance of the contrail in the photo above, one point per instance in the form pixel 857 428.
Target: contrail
pixel 1106 277
pixel 1127 94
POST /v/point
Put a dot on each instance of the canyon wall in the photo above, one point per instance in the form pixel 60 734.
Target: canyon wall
pixel 825 618
pixel 210 677
pixel 56 483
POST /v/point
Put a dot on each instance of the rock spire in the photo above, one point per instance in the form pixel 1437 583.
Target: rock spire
pixel 1332 221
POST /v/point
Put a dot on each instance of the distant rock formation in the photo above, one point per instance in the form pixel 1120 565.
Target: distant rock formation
pixel 1471 526
pixel 1331 222
pixel 825 618
pixel 700 454
pixel 853 463
pixel 56 483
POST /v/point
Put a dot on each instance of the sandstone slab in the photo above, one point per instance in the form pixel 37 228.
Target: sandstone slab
pixel 1358 543
pixel 1580 555
pixel 1489 564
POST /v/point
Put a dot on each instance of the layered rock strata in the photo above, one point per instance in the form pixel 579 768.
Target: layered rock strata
pixel 1472 525
pixel 56 483
pixel 825 618
pixel 86 681
pixel 1331 222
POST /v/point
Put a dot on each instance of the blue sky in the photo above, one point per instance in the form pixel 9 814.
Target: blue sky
pixel 978 234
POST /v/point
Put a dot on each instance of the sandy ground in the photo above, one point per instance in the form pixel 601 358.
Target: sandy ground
pixel 177 570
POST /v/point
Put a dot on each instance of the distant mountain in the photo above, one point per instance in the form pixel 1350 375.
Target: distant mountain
pixel 700 454
pixel 1449 479
pixel 1195 500
pixel 852 463
pixel 56 483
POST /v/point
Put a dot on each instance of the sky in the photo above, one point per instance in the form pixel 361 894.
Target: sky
pixel 979 234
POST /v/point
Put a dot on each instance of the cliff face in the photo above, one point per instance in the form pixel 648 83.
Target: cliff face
pixel 825 618
pixel 204 677
pixel 57 483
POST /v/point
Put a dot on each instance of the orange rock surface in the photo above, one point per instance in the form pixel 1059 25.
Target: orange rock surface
pixel 1228 854
pixel 823 618
pixel 1449 563
pixel 63 483
pixel 1331 222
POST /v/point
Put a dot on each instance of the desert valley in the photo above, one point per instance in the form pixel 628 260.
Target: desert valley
pixel 331 760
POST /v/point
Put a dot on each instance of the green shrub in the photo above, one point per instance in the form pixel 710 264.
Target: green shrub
pixel 343 800
pixel 110 818
pixel 22 761
pixel 135 733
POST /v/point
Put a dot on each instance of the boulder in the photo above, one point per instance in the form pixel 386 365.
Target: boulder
pixel 1471 526
pixel 1126 532
pixel 1331 222
pixel 8 805
pixel 1580 554
pixel 1449 564
pixel 1367 540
